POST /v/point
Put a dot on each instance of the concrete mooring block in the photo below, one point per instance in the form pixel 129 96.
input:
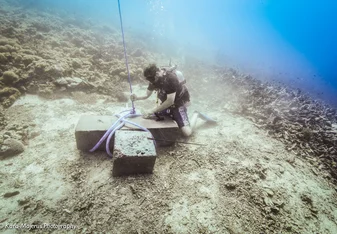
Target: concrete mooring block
pixel 134 153
pixel 91 128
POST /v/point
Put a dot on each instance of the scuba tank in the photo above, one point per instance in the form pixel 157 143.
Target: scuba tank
pixel 173 69
pixel 180 76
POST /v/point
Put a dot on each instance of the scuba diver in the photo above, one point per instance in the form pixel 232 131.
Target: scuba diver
pixel 174 96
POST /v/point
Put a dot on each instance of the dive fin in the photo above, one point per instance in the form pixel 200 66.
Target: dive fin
pixel 205 117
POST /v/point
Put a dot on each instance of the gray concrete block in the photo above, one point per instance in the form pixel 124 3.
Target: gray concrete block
pixel 91 128
pixel 133 154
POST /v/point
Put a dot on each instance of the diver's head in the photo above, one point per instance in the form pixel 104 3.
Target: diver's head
pixel 150 73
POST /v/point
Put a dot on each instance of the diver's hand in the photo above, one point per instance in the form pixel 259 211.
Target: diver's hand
pixel 146 114
pixel 133 97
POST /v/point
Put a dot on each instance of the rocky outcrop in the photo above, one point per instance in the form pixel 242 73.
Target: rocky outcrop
pixel 11 147
pixel 73 83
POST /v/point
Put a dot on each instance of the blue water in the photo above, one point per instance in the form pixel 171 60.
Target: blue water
pixel 293 42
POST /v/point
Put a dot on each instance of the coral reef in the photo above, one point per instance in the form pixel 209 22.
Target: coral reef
pixel 39 48
pixel 305 125
pixel 3 59
pixel 9 78
pixel 3 121
pixel 8 95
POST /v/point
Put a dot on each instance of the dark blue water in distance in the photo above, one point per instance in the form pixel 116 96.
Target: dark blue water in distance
pixel 288 41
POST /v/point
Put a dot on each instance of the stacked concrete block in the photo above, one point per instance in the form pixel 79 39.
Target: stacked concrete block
pixel 90 129
pixel 134 150
pixel 134 153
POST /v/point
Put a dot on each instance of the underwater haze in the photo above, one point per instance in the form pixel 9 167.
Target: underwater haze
pixel 291 42
pixel 257 104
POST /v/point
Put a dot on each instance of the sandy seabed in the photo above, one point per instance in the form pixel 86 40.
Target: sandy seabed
pixel 241 181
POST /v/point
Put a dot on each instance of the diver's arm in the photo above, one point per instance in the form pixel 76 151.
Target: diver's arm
pixel 166 104
pixel 148 94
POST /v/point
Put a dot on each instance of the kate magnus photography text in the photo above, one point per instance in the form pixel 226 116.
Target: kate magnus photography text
pixel 38 226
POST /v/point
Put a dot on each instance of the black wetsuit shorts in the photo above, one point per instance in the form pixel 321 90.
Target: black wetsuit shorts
pixel 178 114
